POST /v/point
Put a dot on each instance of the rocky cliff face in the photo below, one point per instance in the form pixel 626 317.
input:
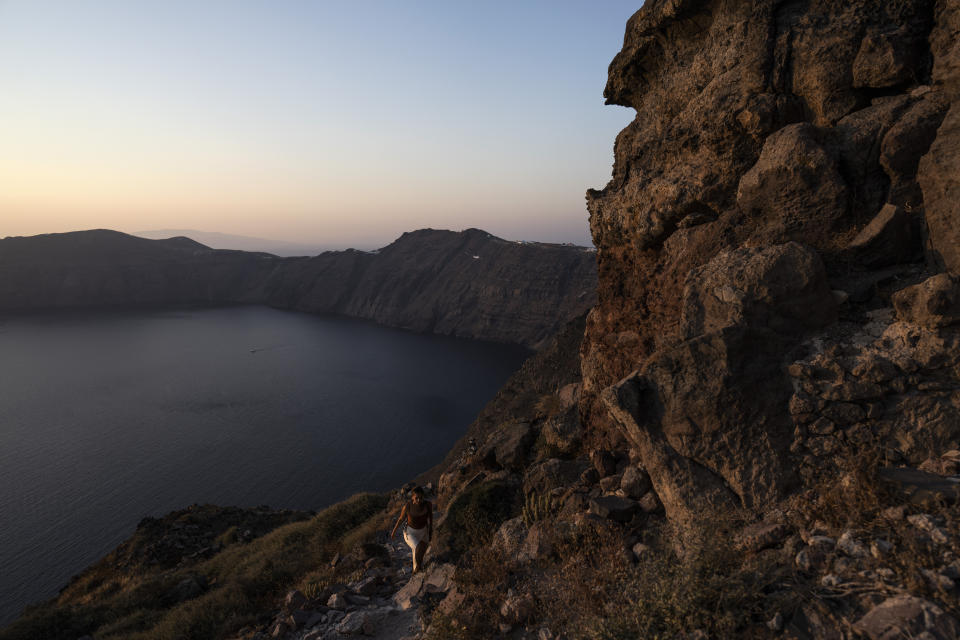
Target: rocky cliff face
pixel 767 402
pixel 791 165
pixel 468 284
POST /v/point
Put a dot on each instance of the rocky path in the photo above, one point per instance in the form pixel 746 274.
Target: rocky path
pixel 367 607
pixel 382 604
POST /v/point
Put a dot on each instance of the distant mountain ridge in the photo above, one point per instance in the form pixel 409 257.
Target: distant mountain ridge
pixel 469 284
pixel 216 240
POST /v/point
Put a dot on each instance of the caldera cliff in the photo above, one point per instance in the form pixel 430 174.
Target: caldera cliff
pixel 469 284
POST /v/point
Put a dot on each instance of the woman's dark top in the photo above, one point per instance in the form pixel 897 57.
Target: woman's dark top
pixel 418 514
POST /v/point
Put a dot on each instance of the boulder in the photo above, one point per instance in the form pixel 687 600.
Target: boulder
pixel 858 140
pixel 294 600
pixel 907 616
pixel 777 189
pixel 366 587
pixel 890 238
pixel 650 503
pixel 611 483
pixel 945 47
pixel 516 609
pixel 301 618
pixel 640 551
pixel 553 473
pixel 570 394
pixel 885 60
pixel 188 588
pixel 852 547
pixel 508 445
pixel 407 596
pixel 604 462
pixel 811 560
pixel 563 432
pixel 933 303
pixel 512 443
pixel 614 508
pixel 939 177
pixel 510 537
pixel 783 288
pixel 439 578
pixel 635 482
pixel 762 535
pixel 710 417
pixel 537 543
pixel 356 623
pixel 905 143
pixel 356 599
pixel 337 601
pixel 372 550
pixel 920 487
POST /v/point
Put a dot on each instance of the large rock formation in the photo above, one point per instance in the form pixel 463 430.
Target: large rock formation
pixel 468 284
pixel 780 150
pixel 939 173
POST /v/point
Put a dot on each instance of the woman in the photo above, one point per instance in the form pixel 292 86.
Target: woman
pixel 419 529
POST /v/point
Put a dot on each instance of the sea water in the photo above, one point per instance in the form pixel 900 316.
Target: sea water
pixel 108 417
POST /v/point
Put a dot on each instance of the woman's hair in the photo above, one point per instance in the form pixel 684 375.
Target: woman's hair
pixel 418 491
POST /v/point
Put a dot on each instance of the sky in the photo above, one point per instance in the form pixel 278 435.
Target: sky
pixel 332 123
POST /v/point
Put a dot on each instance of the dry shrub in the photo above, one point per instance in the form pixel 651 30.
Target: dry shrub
pixel 706 584
pixel 849 497
pixel 483 578
pixel 549 406
pixel 369 531
pixel 476 513
pixel 857 499
pixel 588 588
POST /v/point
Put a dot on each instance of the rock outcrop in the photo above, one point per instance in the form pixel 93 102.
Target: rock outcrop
pixel 791 165
pixel 469 284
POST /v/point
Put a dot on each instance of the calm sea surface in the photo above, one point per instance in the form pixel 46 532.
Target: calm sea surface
pixel 106 418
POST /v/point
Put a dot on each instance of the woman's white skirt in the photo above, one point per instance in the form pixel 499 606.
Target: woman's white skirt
pixel 413 537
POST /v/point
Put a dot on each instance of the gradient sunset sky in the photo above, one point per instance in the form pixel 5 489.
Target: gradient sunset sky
pixel 330 123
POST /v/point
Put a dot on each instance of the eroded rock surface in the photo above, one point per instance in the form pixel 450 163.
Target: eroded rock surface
pixel 783 156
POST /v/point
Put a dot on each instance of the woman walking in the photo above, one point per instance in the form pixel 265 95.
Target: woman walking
pixel 419 529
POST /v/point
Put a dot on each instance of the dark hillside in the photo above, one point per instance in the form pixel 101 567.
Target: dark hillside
pixel 467 284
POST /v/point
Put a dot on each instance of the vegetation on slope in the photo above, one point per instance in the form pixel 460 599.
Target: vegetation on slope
pixel 210 598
